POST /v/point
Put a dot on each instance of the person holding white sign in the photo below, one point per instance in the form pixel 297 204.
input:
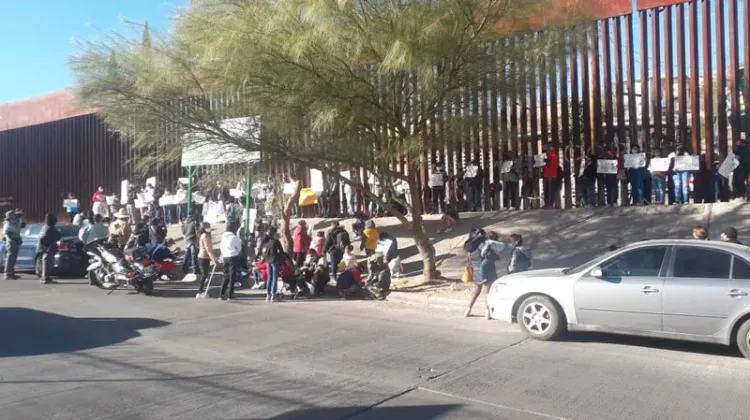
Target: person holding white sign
pixel 71 206
pixel 437 186
pixel 475 176
pixel 680 178
pixel 510 174
pixel 636 177
pixel 658 176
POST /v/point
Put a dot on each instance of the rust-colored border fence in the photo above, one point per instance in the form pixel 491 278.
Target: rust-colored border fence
pixel 669 74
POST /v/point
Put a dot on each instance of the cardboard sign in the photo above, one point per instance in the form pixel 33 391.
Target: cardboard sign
pixel 634 160
pixel 70 203
pixel 383 246
pixel 687 163
pixel 316 181
pixel 540 160
pixel 606 166
pixel 659 164
pixel 729 165
pixel 506 167
pixel 124 186
pixel 471 171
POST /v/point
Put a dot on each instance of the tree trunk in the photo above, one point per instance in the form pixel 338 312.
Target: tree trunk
pixel 286 220
pixel 419 233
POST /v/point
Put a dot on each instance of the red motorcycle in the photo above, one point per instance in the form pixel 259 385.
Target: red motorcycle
pixel 166 269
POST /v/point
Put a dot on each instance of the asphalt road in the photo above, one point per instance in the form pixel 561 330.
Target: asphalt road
pixel 69 351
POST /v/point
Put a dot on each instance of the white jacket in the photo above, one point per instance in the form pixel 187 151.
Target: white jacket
pixel 231 246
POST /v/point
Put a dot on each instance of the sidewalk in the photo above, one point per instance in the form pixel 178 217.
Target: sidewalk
pixel 448 296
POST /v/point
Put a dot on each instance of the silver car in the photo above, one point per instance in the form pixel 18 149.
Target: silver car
pixel 679 289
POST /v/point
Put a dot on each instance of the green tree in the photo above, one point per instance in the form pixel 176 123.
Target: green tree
pixel 336 84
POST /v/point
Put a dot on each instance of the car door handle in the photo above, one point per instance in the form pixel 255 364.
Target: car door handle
pixel 736 293
pixel 649 289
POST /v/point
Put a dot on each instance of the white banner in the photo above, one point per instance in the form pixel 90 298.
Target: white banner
pixel 540 160
pixel 124 186
pixel 660 164
pixel 729 165
pixel 506 167
pixel 316 181
pixel 634 160
pixel 606 166
pixel 687 163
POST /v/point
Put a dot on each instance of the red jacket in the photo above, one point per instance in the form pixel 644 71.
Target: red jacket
pixel 98 197
pixel 262 266
pixel 301 239
pixel 552 167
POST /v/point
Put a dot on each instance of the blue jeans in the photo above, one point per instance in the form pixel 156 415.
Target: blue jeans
pixel 635 178
pixel 611 186
pixel 335 258
pixel 660 186
pixel 588 192
pixel 680 180
pixel 273 281
pixel 191 258
pixel 476 197
pixel 167 214
pixel 550 191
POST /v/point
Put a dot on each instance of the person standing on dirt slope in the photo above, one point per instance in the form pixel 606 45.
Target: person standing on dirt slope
pixel 12 234
pixel 46 248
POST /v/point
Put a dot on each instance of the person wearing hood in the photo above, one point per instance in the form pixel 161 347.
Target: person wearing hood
pixel 730 236
pixel 190 233
pixel 520 257
pixel 46 248
pixel 120 228
pixel 370 238
pixel 301 243
pixel 437 182
pixel 99 202
pixel 12 233
pixel 336 242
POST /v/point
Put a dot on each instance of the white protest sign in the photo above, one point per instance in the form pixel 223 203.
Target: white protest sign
pixel 634 160
pixel 124 186
pixel 148 196
pixel 471 171
pixel 346 174
pixel 506 166
pixel 436 180
pixel 166 200
pixel 316 181
pixel 606 166
pixel 180 197
pixel 111 200
pixel 252 216
pixel 659 164
pixel 139 204
pixel 687 163
pixel 540 160
pixel 70 203
pixel 236 193
pixel 728 166
pixel 289 188
pixel 183 181
pixel 199 198
pixel 151 181
pixel 215 212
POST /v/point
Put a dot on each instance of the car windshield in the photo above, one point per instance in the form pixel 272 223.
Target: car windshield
pixel 579 268
pixel 68 230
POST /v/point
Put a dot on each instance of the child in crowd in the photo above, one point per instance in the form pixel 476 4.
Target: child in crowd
pixel 349 261
pixel 318 242
pixel 520 257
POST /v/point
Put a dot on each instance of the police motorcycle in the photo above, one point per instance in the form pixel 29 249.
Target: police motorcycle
pixel 110 269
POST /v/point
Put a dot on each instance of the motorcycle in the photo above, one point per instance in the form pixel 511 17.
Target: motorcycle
pixel 109 269
pixel 165 270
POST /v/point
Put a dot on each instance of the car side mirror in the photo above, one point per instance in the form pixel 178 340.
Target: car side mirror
pixel 597 272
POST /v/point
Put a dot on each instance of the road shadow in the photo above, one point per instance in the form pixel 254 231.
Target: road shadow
pixel 29 332
pixel 654 343
pixel 411 412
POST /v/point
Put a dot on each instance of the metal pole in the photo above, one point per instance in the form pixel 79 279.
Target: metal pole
pixel 190 189
pixel 248 187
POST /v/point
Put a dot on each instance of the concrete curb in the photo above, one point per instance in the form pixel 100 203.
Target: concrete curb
pixel 431 301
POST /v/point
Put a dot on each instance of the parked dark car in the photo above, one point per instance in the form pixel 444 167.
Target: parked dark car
pixel 70 260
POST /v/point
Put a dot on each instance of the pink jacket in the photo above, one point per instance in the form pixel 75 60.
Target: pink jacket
pixel 301 239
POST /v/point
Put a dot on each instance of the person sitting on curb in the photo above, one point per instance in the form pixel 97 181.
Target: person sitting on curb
pixel 700 233
pixel 730 235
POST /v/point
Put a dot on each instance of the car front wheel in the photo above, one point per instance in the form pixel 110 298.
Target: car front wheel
pixel 540 318
pixel 743 338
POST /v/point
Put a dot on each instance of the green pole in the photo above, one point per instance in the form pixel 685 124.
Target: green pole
pixel 190 189
pixel 248 187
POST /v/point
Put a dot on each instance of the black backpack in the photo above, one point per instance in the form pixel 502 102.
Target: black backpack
pixel 342 239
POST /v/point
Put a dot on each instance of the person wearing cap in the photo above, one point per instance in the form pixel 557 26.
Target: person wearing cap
pixel 730 236
pixel 301 243
pixel 99 201
pixel 120 228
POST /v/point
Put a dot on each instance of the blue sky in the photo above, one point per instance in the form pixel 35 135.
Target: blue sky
pixel 37 36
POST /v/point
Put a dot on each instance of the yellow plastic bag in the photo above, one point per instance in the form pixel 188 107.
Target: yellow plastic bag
pixel 468 274
pixel 307 197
